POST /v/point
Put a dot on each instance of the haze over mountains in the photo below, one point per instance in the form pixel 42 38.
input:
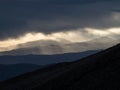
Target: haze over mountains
pixel 50 47
pixel 44 59
pixel 100 71
pixel 56 33
pixel 15 65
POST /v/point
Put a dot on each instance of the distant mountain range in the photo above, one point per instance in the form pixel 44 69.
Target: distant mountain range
pixel 12 70
pixel 50 47
pixel 100 71
pixel 12 66
pixel 44 59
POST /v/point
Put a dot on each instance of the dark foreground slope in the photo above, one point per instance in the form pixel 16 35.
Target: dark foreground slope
pixel 97 72
pixel 12 70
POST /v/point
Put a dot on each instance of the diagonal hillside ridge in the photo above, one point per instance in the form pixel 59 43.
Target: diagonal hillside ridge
pixel 100 71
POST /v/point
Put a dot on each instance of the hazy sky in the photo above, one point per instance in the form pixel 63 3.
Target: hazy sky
pixel 23 21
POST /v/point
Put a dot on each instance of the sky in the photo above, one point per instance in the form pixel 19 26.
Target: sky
pixel 61 21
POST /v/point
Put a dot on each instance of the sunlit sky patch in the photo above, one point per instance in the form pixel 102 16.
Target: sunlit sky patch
pixel 58 21
pixel 73 36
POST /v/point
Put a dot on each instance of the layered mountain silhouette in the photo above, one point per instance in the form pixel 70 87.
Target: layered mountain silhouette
pixel 100 71
pixel 44 59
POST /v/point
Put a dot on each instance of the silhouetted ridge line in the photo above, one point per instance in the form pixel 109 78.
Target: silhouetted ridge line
pixel 100 71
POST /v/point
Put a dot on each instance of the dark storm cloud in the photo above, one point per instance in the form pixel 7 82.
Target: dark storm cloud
pixel 21 16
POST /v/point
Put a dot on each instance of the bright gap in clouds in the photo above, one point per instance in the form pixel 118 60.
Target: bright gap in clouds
pixel 71 36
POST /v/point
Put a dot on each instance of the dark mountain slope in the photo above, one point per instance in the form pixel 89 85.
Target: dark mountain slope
pixel 100 71
pixel 12 70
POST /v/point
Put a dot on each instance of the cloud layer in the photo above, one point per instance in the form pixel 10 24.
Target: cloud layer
pixel 57 26
pixel 19 17
pixel 62 39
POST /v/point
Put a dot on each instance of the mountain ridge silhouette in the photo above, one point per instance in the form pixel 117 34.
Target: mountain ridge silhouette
pixel 100 71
